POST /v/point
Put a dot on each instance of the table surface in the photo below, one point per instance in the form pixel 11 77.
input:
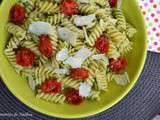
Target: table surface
pixel 142 102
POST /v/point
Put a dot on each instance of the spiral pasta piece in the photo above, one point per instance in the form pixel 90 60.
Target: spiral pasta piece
pixel 121 21
pixel 109 76
pixel 113 51
pixel 46 6
pixel 42 60
pixel 32 46
pixel 10 54
pixel 125 46
pixel 93 68
pixel 61 45
pixel 115 35
pixel 56 98
pixel 42 73
pixel 96 32
pixel 16 31
pixel 87 9
pixel 54 19
pixel 94 95
pixel 130 31
pixel 69 82
pixel 102 3
pixel 103 14
pixel 101 81
pixel 90 81
pixel 13 43
pixel 54 41
pixel 29 5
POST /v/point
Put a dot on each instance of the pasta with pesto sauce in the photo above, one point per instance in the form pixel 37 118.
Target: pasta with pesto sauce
pixel 66 51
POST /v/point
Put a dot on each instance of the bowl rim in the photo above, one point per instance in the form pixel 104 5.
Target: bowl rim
pixel 115 101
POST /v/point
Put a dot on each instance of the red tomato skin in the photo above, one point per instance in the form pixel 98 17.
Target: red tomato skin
pixel 17 14
pixel 45 46
pixel 73 97
pixel 25 57
pixel 102 44
pixel 113 3
pixel 79 73
pixel 51 86
pixel 118 65
pixel 69 7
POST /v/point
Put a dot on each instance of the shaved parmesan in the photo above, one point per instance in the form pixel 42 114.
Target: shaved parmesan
pixel 62 55
pixel 83 53
pixel 31 82
pixel 77 60
pixel 40 28
pixel 61 71
pixel 84 89
pixel 74 62
pixel 83 1
pixel 99 57
pixel 67 35
pixel 121 79
pixel 84 20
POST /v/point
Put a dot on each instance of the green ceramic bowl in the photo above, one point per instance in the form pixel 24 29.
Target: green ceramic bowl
pixel 21 90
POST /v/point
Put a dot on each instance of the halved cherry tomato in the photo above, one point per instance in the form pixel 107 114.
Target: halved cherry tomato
pixel 45 46
pixel 51 86
pixel 102 44
pixel 118 65
pixel 113 3
pixel 69 7
pixel 73 97
pixel 25 57
pixel 17 14
pixel 79 73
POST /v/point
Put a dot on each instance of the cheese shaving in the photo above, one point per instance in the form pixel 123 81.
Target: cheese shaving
pixel 77 60
pixel 99 57
pixel 62 55
pixel 40 28
pixel 84 20
pixel 67 35
pixel 121 79
pixel 31 82
pixel 84 89
pixel 61 71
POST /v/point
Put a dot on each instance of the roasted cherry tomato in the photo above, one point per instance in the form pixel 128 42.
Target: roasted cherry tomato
pixel 45 45
pixel 102 44
pixel 51 86
pixel 113 3
pixel 25 57
pixel 69 7
pixel 73 97
pixel 79 73
pixel 118 65
pixel 17 14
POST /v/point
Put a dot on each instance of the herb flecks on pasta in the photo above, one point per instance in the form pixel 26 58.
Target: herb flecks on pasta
pixel 69 50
